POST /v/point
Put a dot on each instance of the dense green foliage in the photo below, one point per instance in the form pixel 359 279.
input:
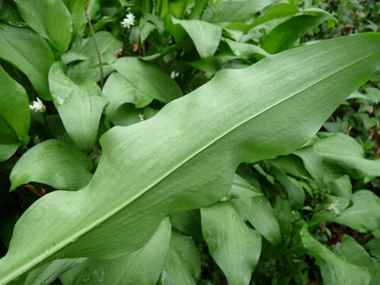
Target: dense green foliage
pixel 189 142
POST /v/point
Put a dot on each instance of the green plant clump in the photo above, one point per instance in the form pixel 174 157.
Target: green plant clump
pixel 189 142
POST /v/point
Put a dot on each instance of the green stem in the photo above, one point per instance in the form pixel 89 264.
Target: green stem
pixel 47 124
pixel 97 48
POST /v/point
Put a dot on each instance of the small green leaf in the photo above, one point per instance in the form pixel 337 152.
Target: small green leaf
pixel 233 245
pixel 53 162
pixel 188 222
pixel 28 52
pixel 334 269
pixel 107 43
pixel 79 106
pixel 363 216
pixel 340 187
pixel 284 35
pixel 148 78
pixel 50 19
pixel 344 155
pixel 14 116
pixel 89 68
pixel 206 36
pixel 119 91
pixel 182 263
pixel 246 51
pixel 312 161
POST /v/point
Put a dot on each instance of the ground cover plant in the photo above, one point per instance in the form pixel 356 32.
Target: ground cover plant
pixel 189 142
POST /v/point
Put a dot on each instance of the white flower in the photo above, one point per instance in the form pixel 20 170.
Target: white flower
pixel 174 74
pixel 38 106
pixel 129 20
pixel 333 207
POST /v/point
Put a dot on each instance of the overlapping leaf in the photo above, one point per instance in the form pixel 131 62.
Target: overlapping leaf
pixel 194 144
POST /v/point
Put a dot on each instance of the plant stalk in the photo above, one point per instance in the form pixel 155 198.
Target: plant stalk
pixel 96 44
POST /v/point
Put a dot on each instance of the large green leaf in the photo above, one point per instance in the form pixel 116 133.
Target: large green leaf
pixel 334 269
pixel 14 116
pixel 50 19
pixel 28 52
pixel 278 11
pixel 143 266
pixel 344 155
pixel 355 254
pixel 206 36
pixel 237 11
pixel 364 215
pixel 119 91
pixel 53 162
pixel 107 43
pixel 89 68
pixel 182 263
pixel 284 35
pixel 185 156
pixel 148 79
pixel 80 106
pixel 229 240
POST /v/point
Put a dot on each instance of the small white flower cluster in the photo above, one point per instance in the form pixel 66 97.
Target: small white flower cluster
pixel 174 74
pixel 333 207
pixel 38 106
pixel 129 20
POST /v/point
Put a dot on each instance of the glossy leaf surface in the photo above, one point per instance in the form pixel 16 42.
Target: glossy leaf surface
pixel 53 162
pixel 182 263
pixel 14 116
pixel 50 19
pixel 80 106
pixel 229 240
pixel 30 53
pixel 334 269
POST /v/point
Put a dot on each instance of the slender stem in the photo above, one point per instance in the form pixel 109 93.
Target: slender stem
pixel 47 124
pixel 97 47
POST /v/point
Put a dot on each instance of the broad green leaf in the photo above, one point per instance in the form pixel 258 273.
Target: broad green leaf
pixel 363 216
pixel 182 263
pixel 334 269
pixel 197 10
pixel 53 162
pixel 89 68
pixel 241 189
pixel 79 106
pixel 177 31
pixel 47 273
pixel 236 11
pixel 50 19
pixel 14 116
pixel 374 94
pixel 10 15
pixel 119 91
pixel 374 247
pixel 206 36
pixel 355 254
pixel 28 52
pixel 229 240
pixel 178 7
pixel 259 212
pixel 107 43
pixel 140 267
pixel 284 35
pixel 69 57
pixel 312 161
pixel 148 78
pixel 340 187
pixel 344 155
pixel 188 222
pixel 278 11
pixel 295 193
pixel 185 156
pixel 246 51
pixel 79 18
